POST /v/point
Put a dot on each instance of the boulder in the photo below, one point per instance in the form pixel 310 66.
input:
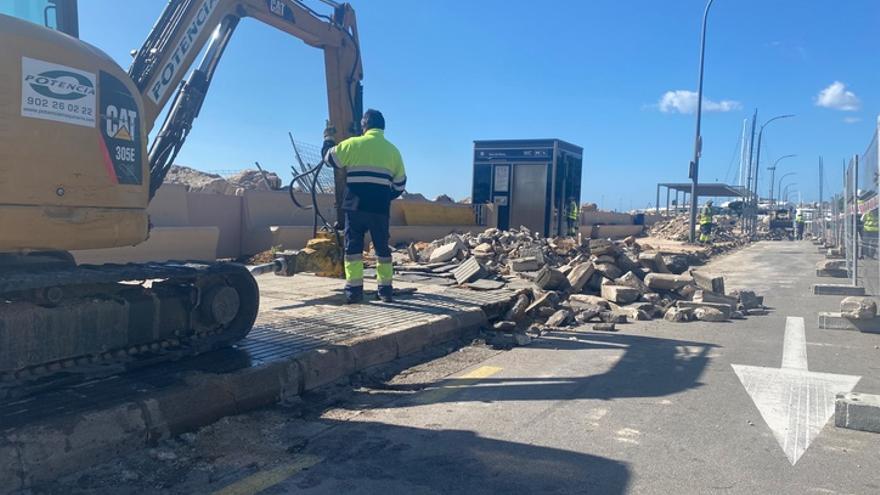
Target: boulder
pixel 551 279
pixel 858 308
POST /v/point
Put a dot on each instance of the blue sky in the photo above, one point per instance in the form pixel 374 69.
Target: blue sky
pixel 590 72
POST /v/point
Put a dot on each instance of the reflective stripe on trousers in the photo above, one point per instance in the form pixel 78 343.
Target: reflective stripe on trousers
pixel 354 270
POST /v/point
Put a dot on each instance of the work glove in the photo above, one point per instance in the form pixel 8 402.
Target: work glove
pixel 329 139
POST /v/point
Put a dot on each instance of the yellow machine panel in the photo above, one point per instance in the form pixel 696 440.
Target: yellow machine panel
pixel 73 160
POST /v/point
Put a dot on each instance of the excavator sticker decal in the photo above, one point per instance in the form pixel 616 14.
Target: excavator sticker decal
pixel 120 131
pixel 57 92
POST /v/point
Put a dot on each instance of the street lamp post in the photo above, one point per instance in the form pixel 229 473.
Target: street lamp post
pixel 785 195
pixel 698 140
pixel 773 175
pixel 758 158
pixel 779 187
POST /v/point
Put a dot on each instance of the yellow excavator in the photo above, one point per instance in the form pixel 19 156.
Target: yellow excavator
pixel 76 173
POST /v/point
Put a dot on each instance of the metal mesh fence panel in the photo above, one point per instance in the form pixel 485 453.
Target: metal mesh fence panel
pixel 866 224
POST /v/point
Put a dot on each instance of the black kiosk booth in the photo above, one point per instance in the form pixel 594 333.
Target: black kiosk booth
pixel 529 180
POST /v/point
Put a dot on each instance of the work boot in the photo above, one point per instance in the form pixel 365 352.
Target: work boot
pixel 354 295
pixel 386 293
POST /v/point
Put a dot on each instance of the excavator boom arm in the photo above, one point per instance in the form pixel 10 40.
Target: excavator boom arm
pixel 186 26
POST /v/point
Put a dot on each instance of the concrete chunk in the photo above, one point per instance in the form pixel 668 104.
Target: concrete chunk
pixel 679 315
pixel 525 264
pixel 858 308
pixel 468 271
pixel 580 275
pixel 836 321
pixel 664 281
pixel 550 279
pixel 560 318
pixel 709 282
pixel 445 252
pixel 620 294
pixel 711 297
pixel 857 412
pixel 725 309
pixel 709 314
pixel 609 270
pixel 583 299
pixel 654 262
pixel 630 279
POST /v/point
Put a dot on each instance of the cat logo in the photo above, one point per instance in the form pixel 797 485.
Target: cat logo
pixel 120 123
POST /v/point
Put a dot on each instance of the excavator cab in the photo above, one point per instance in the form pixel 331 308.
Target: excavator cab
pixel 60 15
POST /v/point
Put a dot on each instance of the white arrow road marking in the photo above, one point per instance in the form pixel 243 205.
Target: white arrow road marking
pixel 794 402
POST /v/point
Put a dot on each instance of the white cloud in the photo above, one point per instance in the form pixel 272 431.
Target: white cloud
pixel 851 120
pixel 837 97
pixel 683 101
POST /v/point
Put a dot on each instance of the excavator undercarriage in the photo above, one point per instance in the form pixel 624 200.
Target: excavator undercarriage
pixel 62 320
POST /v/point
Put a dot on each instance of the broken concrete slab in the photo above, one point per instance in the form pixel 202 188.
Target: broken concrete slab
pixel 664 281
pixel 858 308
pixel 857 411
pixel 612 317
pixel 445 252
pixel 620 294
pixel 709 314
pixel 708 282
pixel 518 310
pixel 560 318
pixel 725 309
pixel 679 315
pixel 653 261
pixel 630 279
pixel 748 298
pixel 608 270
pixel 579 275
pixel 470 270
pixel 549 298
pixel 525 264
pixel 550 279
pixel 702 295
pixel 584 299
pixel 598 247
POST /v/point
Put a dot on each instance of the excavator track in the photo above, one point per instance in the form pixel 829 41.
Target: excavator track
pixel 65 323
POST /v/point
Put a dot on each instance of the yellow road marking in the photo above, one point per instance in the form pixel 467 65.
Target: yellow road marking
pixel 258 482
pixel 453 385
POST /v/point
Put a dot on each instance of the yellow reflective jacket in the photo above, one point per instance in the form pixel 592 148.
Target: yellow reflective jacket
pixel 374 171
pixel 573 210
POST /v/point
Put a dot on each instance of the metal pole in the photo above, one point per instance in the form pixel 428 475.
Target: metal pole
pixel 773 175
pixel 657 203
pixel 747 203
pixel 855 220
pixel 667 202
pixel 698 140
pixel 758 161
pixel 821 203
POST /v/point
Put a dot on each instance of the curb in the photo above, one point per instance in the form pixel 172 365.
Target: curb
pixel 857 412
pixel 42 452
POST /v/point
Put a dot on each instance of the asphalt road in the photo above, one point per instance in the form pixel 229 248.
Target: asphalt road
pixel 655 408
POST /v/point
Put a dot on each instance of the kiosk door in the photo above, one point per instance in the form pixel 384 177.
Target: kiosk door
pixel 528 198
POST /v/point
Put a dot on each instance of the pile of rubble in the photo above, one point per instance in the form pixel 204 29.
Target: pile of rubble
pixel 198 181
pixel 561 282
